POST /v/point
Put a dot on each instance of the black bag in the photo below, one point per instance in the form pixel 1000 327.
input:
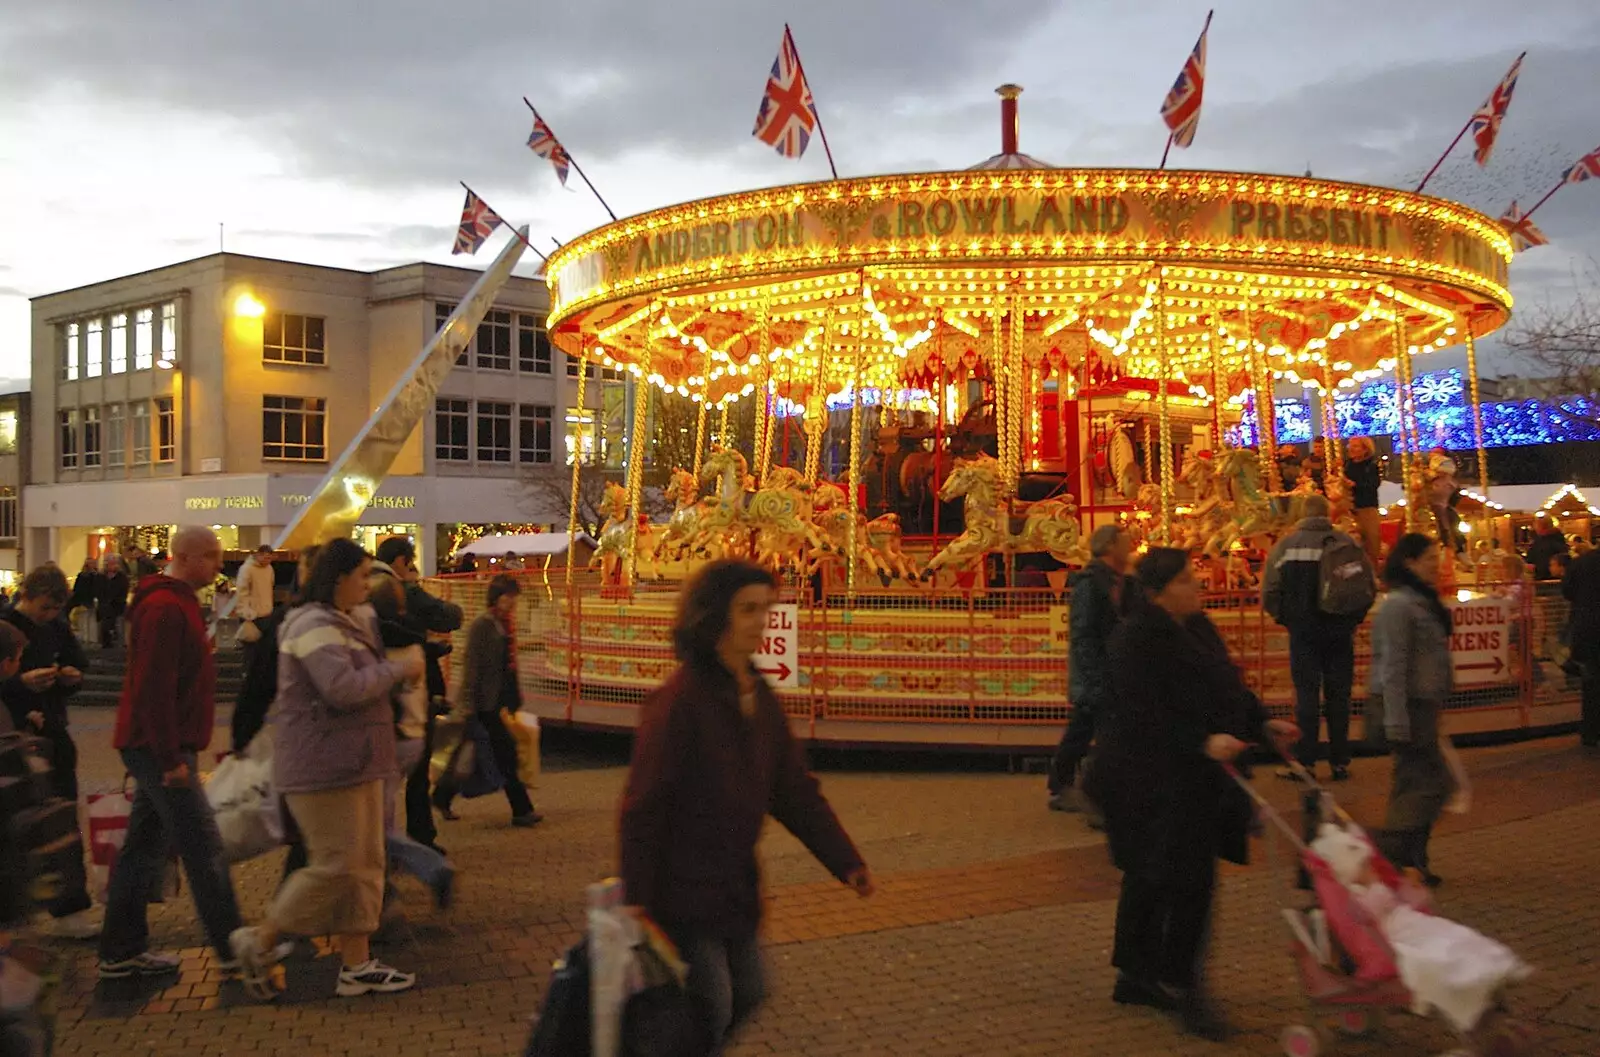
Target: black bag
pixel 1346 587
pixel 562 1029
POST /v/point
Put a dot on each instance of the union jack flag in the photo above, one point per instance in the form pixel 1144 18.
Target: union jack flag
pixel 478 222
pixel 1181 109
pixel 543 142
pixel 1524 236
pixel 788 115
pixel 1585 168
pixel 1485 123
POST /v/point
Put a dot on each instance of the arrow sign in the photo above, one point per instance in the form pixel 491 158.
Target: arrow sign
pixel 779 656
pixel 780 674
pixel 1496 666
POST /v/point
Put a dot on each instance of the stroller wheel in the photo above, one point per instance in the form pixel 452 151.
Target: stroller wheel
pixel 1356 1022
pixel 1298 1040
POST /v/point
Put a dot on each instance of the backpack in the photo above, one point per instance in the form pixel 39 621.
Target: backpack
pixel 1345 585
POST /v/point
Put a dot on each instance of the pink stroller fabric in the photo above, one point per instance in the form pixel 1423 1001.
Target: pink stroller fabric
pixel 1350 924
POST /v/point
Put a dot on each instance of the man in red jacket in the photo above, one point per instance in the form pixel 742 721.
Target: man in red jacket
pixel 163 720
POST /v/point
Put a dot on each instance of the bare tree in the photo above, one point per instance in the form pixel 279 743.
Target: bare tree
pixel 1562 344
pixel 551 486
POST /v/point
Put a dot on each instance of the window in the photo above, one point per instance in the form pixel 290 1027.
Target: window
pixel 494 341
pixel 94 348
pixel 8 432
pixel 69 355
pixel 533 345
pixel 441 313
pixel 139 416
pixel 533 433
pixel 169 332
pixel 580 436
pixel 91 436
pixel 572 368
pixel 119 343
pixel 166 430
pixel 294 428
pixel 116 434
pixel 144 340
pixel 69 440
pixel 294 339
pixel 8 513
pixel 494 431
pixel 452 424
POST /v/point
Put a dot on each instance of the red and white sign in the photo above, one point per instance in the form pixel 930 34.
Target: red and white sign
pixel 779 656
pixel 1480 641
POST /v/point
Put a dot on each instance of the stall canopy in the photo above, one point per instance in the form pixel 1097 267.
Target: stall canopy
pixel 529 545
pixel 1518 498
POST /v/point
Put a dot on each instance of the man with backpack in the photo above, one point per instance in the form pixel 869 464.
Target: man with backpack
pixel 1319 583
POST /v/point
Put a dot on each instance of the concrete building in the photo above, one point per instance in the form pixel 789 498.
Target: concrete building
pixel 219 390
pixel 14 435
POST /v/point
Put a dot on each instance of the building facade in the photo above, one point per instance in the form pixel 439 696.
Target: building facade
pixel 220 390
pixel 14 434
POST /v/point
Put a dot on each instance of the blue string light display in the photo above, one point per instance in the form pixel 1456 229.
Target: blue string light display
pixel 1444 416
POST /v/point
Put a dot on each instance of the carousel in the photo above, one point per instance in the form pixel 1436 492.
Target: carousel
pixel 1020 353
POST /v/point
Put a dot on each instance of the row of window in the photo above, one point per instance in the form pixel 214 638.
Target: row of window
pixel 118 434
pixel 93 347
pixel 504 338
pixel 460 430
pixel 8 514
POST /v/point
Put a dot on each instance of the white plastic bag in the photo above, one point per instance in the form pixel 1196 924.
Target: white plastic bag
pixel 1460 801
pixel 246 808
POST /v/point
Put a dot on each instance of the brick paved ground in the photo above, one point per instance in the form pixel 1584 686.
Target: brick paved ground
pixel 989 936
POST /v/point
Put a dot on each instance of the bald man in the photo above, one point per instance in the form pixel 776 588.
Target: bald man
pixel 164 721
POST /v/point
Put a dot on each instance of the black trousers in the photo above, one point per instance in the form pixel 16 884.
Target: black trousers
pixel 73 894
pixel 1322 665
pixel 1163 926
pixel 420 826
pixel 1075 743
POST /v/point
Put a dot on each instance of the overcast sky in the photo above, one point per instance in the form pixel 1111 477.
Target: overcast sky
pixel 334 132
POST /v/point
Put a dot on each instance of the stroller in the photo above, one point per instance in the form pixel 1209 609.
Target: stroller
pixel 1345 964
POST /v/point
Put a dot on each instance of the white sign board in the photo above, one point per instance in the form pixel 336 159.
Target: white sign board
pixel 779 656
pixel 1060 627
pixel 1480 641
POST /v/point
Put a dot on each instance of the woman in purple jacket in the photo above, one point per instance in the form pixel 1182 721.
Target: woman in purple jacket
pixel 333 749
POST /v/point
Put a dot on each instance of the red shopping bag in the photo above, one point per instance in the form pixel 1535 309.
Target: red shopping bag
pixel 108 829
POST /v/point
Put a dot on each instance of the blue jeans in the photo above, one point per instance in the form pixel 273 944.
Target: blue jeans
pixel 406 854
pixel 1322 664
pixel 162 817
pixel 726 982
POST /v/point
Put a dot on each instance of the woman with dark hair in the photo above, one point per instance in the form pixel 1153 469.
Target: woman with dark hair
pixel 713 756
pixel 489 685
pixel 333 728
pixel 1171 810
pixel 1411 677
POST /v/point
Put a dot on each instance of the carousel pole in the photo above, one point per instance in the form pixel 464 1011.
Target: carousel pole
pixel 1016 394
pixel 853 477
pixel 938 439
pixel 636 446
pixel 1217 385
pixel 722 423
pixel 1164 405
pixel 999 380
pixel 577 466
pixel 817 406
pixel 1410 467
pixel 1266 411
pixel 699 436
pixel 1477 424
pixel 763 438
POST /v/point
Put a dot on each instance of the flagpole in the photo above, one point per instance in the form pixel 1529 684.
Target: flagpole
pixel 1172 134
pixel 515 231
pixel 574 162
pixel 801 67
pixel 1167 151
pixel 1547 196
pixel 1446 154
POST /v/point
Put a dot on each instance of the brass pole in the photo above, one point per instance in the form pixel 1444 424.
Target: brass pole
pixel 1164 405
pixel 577 466
pixel 636 448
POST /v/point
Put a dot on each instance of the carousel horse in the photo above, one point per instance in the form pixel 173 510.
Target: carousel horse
pixel 883 538
pixel 612 548
pixel 1051 525
pixel 781 515
pixel 684 524
pixel 836 519
pixel 978 480
pixel 722 520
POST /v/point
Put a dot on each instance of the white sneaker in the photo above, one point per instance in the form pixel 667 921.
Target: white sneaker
pixel 84 925
pixel 372 976
pixel 149 963
pixel 255 963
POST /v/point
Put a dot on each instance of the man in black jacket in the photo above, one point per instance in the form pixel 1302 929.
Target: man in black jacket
pixel 50 673
pixel 1582 588
pixel 1101 594
pixel 424 614
pixel 1322 649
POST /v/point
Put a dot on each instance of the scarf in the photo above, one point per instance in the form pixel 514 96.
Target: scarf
pixel 1430 595
pixel 508 624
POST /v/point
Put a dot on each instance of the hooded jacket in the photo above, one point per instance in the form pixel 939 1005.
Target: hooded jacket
pixel 332 720
pixel 168 695
pixel 1291 582
pixel 256 581
pixel 50 643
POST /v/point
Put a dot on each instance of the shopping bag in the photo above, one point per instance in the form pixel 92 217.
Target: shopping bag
pixel 108 828
pixel 448 732
pixel 524 729
pixel 484 777
pixel 562 1027
pixel 1460 801
pixel 245 806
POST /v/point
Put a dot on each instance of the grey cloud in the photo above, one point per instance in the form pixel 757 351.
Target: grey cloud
pixel 12 291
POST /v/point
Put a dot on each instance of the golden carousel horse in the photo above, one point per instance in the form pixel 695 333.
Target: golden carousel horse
pixel 722 521
pixel 883 539
pixel 612 548
pixel 835 518
pixel 1049 525
pixel 780 513
pixel 684 524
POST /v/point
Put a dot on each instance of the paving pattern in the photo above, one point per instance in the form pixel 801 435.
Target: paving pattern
pixel 990 933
